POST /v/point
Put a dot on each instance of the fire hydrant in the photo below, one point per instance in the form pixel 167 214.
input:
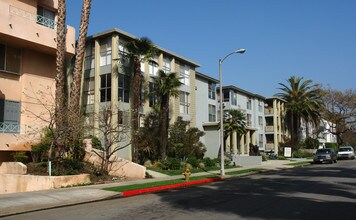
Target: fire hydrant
pixel 186 173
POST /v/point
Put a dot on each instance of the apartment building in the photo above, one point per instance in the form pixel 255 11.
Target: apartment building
pixel 27 70
pixel 107 81
pixel 207 119
pixel 275 130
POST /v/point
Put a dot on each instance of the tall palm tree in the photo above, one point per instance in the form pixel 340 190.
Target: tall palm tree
pixel 303 100
pixel 138 50
pixel 165 86
pixel 60 94
pixel 77 72
pixel 235 121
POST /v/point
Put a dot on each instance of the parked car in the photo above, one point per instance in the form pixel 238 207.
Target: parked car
pixel 346 153
pixel 325 155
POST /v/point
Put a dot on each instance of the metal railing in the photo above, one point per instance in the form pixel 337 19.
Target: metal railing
pixel 7 127
pixel 32 17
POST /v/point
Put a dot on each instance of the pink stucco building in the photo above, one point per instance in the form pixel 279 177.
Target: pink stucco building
pixel 27 70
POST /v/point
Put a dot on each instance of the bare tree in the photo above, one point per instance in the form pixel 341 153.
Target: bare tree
pixel 115 135
pixel 340 111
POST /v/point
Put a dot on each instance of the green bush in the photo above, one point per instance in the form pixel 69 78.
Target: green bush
pixel 171 164
pixel 67 167
pixel 193 161
pixel 20 156
pixel 209 162
pixel 302 154
pixel 311 143
pixel 264 157
pixel 335 146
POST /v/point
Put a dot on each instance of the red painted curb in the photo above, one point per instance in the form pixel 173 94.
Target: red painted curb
pixel 166 187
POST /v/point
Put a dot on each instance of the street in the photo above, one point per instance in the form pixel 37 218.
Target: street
pixel 323 191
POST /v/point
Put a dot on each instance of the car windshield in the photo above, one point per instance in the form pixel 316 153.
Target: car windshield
pixel 323 151
pixel 342 149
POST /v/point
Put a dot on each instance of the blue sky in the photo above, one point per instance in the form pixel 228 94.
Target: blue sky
pixel 314 39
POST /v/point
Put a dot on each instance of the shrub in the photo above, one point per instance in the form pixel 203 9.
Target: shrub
pixel 20 156
pixel 171 164
pixel 209 162
pixel 302 154
pixel 193 161
pixel 311 143
pixel 264 157
pixel 335 146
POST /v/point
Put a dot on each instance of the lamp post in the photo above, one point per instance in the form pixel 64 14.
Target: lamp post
pixel 222 170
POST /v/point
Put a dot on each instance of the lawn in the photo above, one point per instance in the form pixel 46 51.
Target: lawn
pixel 302 163
pixel 195 170
pixel 245 171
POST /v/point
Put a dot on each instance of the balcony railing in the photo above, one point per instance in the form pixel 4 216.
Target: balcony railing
pixel 32 17
pixel 268 111
pixel 269 128
pixel 6 127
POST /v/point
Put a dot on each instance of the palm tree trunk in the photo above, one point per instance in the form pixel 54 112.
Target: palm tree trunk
pixel 164 128
pixel 60 95
pixel 135 108
pixel 77 73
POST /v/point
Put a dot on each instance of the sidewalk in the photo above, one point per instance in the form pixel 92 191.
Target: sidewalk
pixel 39 200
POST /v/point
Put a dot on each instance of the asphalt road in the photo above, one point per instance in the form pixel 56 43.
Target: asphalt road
pixel 325 191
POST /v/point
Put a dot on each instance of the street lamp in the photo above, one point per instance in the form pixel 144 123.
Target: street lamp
pixel 222 170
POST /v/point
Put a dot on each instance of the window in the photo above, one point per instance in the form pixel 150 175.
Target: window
pixel 105 52
pixel 249 120
pixel 123 118
pixel 249 103
pixel 45 17
pixel 212 113
pixel 10 112
pixel 260 141
pixel 153 67
pixel 234 99
pixel 184 103
pixel 124 88
pixel 260 121
pixel 184 74
pixel 89 56
pixel 227 96
pixel 10 59
pixel 260 107
pixel 123 52
pixel 212 90
pixel 152 98
pixel 105 88
pixel 166 65
pixel 88 91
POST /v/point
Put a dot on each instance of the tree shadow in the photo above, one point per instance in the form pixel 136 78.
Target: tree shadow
pixel 299 193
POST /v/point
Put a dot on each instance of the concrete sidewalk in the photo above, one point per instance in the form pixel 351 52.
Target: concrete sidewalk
pixel 16 203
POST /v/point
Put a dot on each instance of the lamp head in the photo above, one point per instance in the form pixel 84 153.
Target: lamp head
pixel 240 51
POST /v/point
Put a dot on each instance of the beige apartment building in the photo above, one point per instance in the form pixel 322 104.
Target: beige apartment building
pixel 275 130
pixel 27 70
pixel 106 82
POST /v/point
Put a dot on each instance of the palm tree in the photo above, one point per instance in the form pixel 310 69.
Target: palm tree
pixel 165 86
pixel 60 94
pixel 303 100
pixel 138 50
pixel 235 121
pixel 77 72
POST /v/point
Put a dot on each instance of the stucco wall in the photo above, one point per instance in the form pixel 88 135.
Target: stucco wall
pixel 12 183
pixel 13 168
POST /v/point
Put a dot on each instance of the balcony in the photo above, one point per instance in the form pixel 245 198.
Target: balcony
pixel 269 128
pixel 269 111
pixel 21 26
pixel 12 128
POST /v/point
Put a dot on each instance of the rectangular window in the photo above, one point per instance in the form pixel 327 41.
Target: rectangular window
pixel 184 103
pixel 260 141
pixel 260 121
pixel 249 120
pixel 124 88
pixel 105 88
pixel 234 99
pixel 152 98
pixel 123 118
pixel 10 112
pixel 105 52
pixel 10 59
pixel 227 96
pixel 166 65
pixel 153 67
pixel 45 17
pixel 249 103
pixel 212 113
pixel 184 74
pixel 89 56
pixel 123 54
pixel 260 107
pixel 212 90
pixel 88 91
